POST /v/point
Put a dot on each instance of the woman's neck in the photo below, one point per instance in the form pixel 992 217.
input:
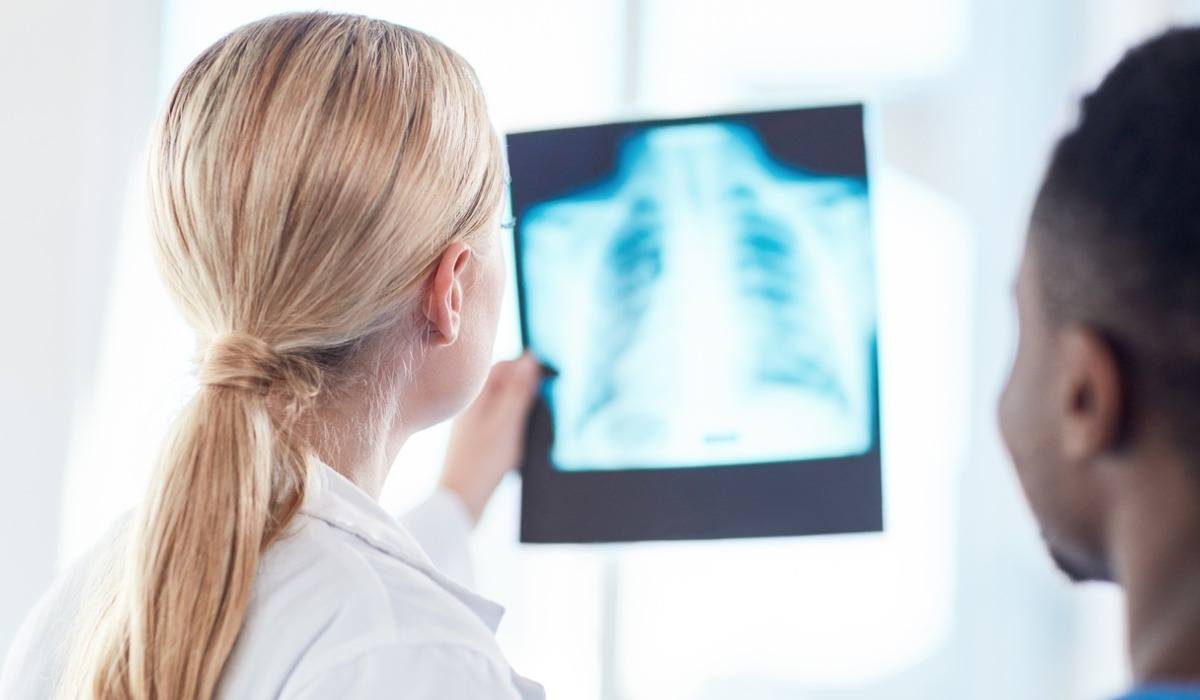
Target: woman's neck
pixel 359 444
pixel 366 466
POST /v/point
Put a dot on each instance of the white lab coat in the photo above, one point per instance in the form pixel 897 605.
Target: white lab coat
pixel 347 606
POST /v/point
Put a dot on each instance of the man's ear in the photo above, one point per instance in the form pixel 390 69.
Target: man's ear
pixel 1091 398
pixel 443 305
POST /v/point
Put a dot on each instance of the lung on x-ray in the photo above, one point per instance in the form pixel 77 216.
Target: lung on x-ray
pixel 705 303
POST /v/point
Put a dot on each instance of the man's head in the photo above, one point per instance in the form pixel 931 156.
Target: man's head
pixel 1105 388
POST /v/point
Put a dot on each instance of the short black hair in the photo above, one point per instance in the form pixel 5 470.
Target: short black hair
pixel 1116 226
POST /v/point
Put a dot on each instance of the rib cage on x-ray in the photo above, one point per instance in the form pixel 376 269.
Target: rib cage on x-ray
pixel 704 305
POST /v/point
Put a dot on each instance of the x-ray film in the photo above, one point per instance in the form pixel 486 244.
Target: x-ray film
pixel 705 289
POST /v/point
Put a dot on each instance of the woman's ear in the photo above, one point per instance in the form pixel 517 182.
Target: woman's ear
pixel 443 306
pixel 1092 402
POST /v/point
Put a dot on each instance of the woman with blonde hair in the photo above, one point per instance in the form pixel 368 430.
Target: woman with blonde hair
pixel 326 194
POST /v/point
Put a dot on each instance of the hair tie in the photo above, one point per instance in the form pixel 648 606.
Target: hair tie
pixel 240 361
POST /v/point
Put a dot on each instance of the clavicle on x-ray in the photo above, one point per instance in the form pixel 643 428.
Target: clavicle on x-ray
pixel 705 305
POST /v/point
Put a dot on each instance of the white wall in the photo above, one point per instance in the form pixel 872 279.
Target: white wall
pixel 77 81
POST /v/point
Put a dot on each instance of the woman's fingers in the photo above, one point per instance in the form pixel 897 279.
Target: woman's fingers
pixel 514 381
pixel 487 439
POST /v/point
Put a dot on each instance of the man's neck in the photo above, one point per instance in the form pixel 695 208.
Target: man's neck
pixel 1155 546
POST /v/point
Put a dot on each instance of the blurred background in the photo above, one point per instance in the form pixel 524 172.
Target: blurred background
pixel 955 599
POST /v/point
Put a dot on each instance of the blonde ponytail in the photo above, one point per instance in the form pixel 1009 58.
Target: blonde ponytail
pixel 306 173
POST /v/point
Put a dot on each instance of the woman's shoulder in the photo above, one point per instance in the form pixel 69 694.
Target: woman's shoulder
pixel 324 599
pixel 335 574
pixel 423 671
pixel 35 658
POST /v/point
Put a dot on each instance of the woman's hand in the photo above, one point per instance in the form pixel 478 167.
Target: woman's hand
pixel 487 439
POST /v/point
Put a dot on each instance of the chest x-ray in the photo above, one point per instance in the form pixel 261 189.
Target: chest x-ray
pixel 704 303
